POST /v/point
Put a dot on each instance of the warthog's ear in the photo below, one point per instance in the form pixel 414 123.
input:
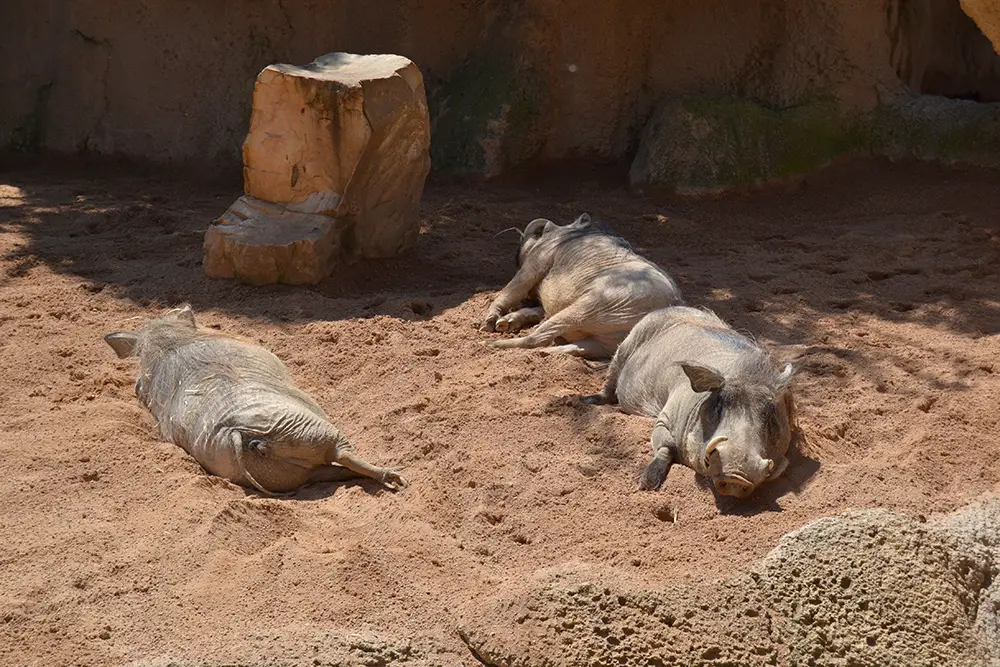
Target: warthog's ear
pixel 703 378
pixel 123 343
pixel 534 229
pixel 184 313
pixel 584 219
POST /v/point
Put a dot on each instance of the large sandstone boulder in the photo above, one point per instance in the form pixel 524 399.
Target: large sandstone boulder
pixel 334 168
pixel 986 14
pixel 863 588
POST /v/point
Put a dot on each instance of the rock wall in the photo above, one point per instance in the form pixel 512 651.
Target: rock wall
pixel 508 81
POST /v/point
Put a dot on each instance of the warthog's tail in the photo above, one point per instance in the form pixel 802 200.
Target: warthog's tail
pixel 246 473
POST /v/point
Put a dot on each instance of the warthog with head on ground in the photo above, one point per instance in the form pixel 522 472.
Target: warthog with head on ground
pixel 591 285
pixel 232 406
pixel 721 406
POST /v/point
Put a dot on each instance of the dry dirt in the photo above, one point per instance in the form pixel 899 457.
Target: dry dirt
pixel 881 280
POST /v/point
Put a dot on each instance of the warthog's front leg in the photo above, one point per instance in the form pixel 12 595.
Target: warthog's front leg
pixel 567 321
pixel 662 443
pixel 546 333
pixel 513 293
pixel 520 319
pixel 587 348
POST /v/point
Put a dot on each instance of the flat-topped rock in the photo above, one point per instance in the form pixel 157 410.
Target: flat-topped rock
pixel 260 243
pixel 346 138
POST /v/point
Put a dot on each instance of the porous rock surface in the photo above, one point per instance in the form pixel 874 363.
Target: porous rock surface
pixel 861 588
pixel 335 647
pixel 334 168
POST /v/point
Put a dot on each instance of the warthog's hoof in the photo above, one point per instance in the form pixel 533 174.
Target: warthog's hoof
pixel 489 325
pixel 654 475
pixel 511 323
pixel 392 479
pixel 595 399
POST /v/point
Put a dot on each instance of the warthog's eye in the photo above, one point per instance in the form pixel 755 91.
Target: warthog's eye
pixel 713 408
pixel 255 445
pixel 771 418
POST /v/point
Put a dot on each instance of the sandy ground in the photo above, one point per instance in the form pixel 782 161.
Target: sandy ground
pixel 880 280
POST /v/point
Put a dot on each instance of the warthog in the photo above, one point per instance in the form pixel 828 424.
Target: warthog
pixel 231 405
pixel 591 286
pixel 721 406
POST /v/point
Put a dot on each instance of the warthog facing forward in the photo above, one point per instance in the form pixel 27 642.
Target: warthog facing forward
pixel 232 406
pixel 721 407
pixel 592 288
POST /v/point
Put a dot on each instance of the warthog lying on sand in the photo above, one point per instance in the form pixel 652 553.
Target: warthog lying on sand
pixel 591 286
pixel 232 406
pixel 721 407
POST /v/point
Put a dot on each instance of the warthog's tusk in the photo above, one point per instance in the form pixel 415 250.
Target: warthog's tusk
pixel 770 465
pixel 713 444
pixel 711 448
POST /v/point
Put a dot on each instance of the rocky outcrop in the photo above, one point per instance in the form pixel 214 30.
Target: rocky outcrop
pixel 334 168
pixel 700 145
pixel 508 83
pixel 862 588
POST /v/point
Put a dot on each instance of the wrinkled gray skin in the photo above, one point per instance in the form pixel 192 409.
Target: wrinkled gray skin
pixel 721 406
pixel 231 405
pixel 591 286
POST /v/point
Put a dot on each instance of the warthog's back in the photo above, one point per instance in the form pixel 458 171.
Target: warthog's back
pixel 212 382
pixel 663 339
pixel 615 285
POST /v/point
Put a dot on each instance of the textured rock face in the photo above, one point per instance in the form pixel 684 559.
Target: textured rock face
pixel 334 168
pixel 862 588
pixel 698 144
pixel 331 647
pixel 876 588
pixel 260 243
pixel 986 14
pixel 509 82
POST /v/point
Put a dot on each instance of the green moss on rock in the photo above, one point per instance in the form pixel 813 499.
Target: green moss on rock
pixel 703 144
pixel 487 116
pixel 938 129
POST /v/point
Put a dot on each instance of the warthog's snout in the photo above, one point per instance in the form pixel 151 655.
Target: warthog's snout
pixel 733 485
